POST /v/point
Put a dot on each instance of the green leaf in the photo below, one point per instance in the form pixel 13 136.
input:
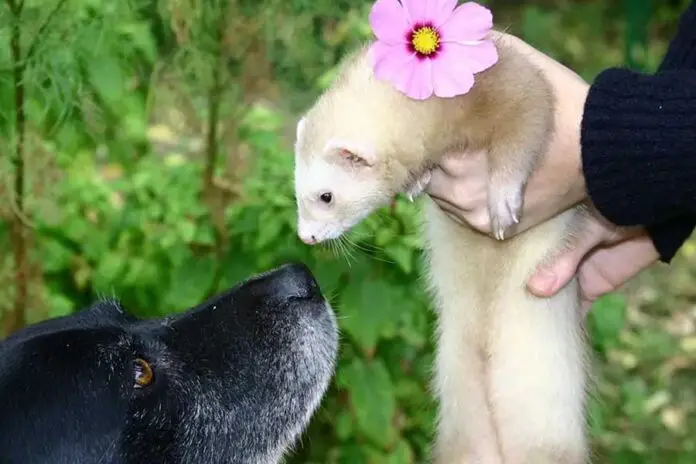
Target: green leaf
pixel 56 257
pixel 368 308
pixel 401 454
pixel 596 416
pixel 237 267
pixel 344 425
pixel 402 255
pixel 269 228
pixel 328 272
pixel 608 318
pixel 107 78
pixel 190 281
pixel 372 399
pixel 140 37
pixel 351 454
pixel 60 305
pixel 108 272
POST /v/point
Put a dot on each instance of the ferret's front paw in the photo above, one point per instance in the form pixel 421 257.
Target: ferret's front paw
pixel 418 185
pixel 504 208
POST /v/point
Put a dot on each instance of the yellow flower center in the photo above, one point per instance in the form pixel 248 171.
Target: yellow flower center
pixel 425 40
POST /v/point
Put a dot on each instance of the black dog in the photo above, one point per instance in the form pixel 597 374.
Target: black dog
pixel 234 380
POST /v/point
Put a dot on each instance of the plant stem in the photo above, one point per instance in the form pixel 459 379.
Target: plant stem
pixel 15 319
pixel 213 120
pixel 215 196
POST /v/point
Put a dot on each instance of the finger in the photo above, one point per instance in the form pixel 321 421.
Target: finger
pixel 457 192
pixel 548 279
pixel 551 277
pixel 441 184
pixel 478 220
pixel 585 306
pixel 462 164
pixel 451 210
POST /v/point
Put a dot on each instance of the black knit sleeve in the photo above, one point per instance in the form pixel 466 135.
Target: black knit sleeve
pixel 669 230
pixel 638 139
pixel 668 236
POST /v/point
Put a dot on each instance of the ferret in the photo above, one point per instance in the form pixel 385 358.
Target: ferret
pixel 511 369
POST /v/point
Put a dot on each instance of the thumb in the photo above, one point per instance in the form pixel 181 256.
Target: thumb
pixel 550 277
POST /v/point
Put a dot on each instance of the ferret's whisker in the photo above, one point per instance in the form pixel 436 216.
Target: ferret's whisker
pixel 375 252
pixel 347 251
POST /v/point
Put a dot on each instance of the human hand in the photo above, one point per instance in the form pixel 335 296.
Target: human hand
pixel 459 184
pixel 604 257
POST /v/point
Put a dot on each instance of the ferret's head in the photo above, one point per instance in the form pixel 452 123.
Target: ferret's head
pixel 336 185
pixel 359 145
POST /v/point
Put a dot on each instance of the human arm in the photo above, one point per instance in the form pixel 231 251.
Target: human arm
pixel 609 255
pixel 628 142
pixel 605 260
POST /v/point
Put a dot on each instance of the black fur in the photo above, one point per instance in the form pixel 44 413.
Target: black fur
pixel 236 379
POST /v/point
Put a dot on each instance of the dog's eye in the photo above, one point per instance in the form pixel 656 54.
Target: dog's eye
pixel 143 373
pixel 326 197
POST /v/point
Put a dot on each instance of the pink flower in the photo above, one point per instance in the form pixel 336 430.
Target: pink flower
pixel 427 47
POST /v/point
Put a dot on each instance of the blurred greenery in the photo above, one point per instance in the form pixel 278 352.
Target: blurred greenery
pixel 147 154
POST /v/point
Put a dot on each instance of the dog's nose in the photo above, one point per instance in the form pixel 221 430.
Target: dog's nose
pixel 296 280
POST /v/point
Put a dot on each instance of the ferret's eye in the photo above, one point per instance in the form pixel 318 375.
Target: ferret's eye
pixel 143 373
pixel 326 197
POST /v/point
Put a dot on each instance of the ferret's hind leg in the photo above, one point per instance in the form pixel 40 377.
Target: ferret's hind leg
pixel 465 433
pixel 538 371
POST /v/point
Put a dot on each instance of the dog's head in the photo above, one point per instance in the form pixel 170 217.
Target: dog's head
pixel 235 379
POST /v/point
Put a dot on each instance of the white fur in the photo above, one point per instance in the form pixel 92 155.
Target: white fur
pixel 317 220
pixel 510 368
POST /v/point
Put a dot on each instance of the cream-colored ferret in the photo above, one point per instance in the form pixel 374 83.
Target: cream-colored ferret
pixel 511 368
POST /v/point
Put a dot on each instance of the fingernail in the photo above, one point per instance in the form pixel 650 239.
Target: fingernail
pixel 543 281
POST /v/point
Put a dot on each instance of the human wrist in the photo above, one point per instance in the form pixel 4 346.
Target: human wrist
pixel 559 183
pixel 577 188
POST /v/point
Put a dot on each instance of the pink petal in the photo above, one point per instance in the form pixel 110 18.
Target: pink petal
pixel 416 10
pixel 435 11
pixel 452 75
pixel 440 11
pixel 478 57
pixel 402 69
pixel 469 21
pixel 389 21
pixel 420 85
pixel 390 62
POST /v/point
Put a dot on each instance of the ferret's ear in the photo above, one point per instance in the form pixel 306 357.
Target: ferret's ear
pixel 300 127
pixel 353 153
pixel 299 131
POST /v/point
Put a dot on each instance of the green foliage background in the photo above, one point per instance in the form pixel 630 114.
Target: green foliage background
pixel 153 144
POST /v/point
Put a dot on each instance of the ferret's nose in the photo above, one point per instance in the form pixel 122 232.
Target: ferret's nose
pixel 308 239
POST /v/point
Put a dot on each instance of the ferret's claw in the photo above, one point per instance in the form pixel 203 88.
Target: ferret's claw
pixel 417 187
pixel 504 207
